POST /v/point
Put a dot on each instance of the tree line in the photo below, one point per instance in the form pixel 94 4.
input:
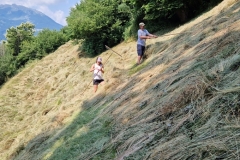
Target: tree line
pixel 22 46
pixel 108 22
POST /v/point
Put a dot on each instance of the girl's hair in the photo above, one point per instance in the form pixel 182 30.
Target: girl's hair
pixel 97 59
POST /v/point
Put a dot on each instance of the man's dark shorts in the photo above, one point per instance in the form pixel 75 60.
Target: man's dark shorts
pixel 140 50
pixel 97 81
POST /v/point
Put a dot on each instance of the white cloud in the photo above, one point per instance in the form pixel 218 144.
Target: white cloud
pixel 42 5
pixel 30 3
pixel 60 17
pixel 57 16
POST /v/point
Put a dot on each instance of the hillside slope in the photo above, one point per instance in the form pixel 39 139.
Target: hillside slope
pixel 182 102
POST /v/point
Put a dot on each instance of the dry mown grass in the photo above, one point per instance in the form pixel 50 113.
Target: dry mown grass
pixel 182 103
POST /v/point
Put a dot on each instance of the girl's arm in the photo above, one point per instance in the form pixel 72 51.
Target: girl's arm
pixel 102 69
pixel 92 68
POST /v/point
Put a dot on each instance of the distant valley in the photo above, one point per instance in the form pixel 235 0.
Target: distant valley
pixel 14 15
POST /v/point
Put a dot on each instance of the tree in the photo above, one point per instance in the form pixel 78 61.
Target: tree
pixel 162 14
pixel 7 67
pixel 98 23
pixel 2 48
pixel 16 36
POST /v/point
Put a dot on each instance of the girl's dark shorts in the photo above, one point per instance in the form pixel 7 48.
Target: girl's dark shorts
pixel 97 81
pixel 140 50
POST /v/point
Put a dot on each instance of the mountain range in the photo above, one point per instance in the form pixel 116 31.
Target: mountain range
pixel 14 15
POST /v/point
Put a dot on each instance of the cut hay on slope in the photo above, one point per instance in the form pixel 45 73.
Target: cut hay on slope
pixel 181 103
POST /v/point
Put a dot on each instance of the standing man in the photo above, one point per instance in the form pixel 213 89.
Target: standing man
pixel 143 34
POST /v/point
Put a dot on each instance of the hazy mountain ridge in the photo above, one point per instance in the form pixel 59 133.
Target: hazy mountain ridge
pixel 14 15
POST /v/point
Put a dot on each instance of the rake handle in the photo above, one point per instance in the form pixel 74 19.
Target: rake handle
pixel 112 50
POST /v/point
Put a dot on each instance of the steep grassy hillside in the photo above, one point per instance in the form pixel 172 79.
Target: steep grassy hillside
pixel 182 102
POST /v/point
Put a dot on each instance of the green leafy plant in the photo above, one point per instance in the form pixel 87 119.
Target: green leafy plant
pixel 44 43
pixel 98 23
pixel 7 67
pixel 16 36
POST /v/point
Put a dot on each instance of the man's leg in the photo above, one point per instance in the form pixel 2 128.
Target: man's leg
pixel 139 52
pixel 139 59
pixel 143 50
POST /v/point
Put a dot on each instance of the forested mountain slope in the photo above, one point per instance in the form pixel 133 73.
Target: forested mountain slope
pixel 182 102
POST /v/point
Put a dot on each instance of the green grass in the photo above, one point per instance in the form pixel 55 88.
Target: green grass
pixel 84 137
pixel 136 68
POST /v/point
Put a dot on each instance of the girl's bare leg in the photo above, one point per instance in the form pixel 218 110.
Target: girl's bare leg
pixel 95 87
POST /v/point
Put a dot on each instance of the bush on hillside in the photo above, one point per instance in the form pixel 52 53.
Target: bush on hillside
pixel 98 23
pixel 45 42
pixel 162 14
pixel 49 40
pixel 7 67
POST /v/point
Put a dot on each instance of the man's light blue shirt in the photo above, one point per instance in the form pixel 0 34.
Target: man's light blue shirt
pixel 143 32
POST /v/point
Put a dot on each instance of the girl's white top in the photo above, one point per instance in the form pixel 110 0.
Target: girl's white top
pixel 97 74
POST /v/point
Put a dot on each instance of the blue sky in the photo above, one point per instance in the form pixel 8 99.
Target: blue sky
pixel 58 10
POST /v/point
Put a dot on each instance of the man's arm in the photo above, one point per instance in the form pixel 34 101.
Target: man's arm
pixel 152 35
pixel 145 37
pixel 148 36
